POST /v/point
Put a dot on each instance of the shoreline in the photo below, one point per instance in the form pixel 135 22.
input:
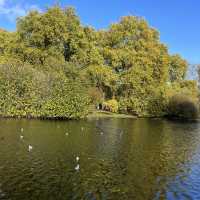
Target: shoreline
pixel 106 114
pixel 101 114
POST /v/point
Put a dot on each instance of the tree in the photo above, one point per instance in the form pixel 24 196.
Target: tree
pixel 126 63
pixel 104 79
pixel 178 68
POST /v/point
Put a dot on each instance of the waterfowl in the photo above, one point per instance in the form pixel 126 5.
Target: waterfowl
pixel 77 167
pixel 77 158
pixel 30 148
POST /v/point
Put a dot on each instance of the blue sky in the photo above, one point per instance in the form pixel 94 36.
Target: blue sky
pixel 176 20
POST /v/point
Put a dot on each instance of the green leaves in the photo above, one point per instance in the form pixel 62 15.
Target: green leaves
pixel 31 93
pixel 66 100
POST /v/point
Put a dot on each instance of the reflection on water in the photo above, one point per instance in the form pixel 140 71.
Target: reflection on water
pixel 117 159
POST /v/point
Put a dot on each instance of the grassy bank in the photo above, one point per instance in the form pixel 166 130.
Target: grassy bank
pixel 105 114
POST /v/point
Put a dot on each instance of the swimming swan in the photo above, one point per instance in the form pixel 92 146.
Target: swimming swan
pixel 30 148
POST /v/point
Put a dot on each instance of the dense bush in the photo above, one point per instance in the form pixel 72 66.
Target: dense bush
pixel 27 92
pixel 96 95
pixel 134 106
pixel 152 103
pixel 182 106
pixel 110 105
pixel 66 100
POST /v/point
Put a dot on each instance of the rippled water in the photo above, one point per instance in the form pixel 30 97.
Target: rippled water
pixel 118 159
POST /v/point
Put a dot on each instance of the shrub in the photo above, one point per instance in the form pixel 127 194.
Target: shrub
pixel 111 105
pixel 95 95
pixel 182 106
pixel 27 92
pixel 150 104
pixel 66 100
pixel 157 102
pixel 133 105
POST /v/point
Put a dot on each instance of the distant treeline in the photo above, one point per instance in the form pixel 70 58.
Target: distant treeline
pixel 52 66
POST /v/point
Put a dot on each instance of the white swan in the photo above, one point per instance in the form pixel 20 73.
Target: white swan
pixel 21 137
pixel 77 167
pixel 22 130
pixel 77 158
pixel 30 148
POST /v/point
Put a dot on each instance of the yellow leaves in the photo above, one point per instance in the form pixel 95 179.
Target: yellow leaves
pixel 178 68
pixel 102 74
pixel 185 88
pixel 127 62
pixel 111 105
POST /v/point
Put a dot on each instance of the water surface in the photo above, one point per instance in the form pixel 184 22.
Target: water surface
pixel 124 159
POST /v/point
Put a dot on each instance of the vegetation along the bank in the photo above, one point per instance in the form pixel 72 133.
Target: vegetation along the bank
pixel 52 66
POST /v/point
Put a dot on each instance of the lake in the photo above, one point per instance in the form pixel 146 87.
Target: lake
pixel 99 159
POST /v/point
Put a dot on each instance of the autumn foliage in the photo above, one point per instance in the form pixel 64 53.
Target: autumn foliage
pixel 54 66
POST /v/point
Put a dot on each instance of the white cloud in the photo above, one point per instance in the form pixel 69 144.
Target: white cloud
pixel 2 2
pixel 11 12
pixel 33 7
